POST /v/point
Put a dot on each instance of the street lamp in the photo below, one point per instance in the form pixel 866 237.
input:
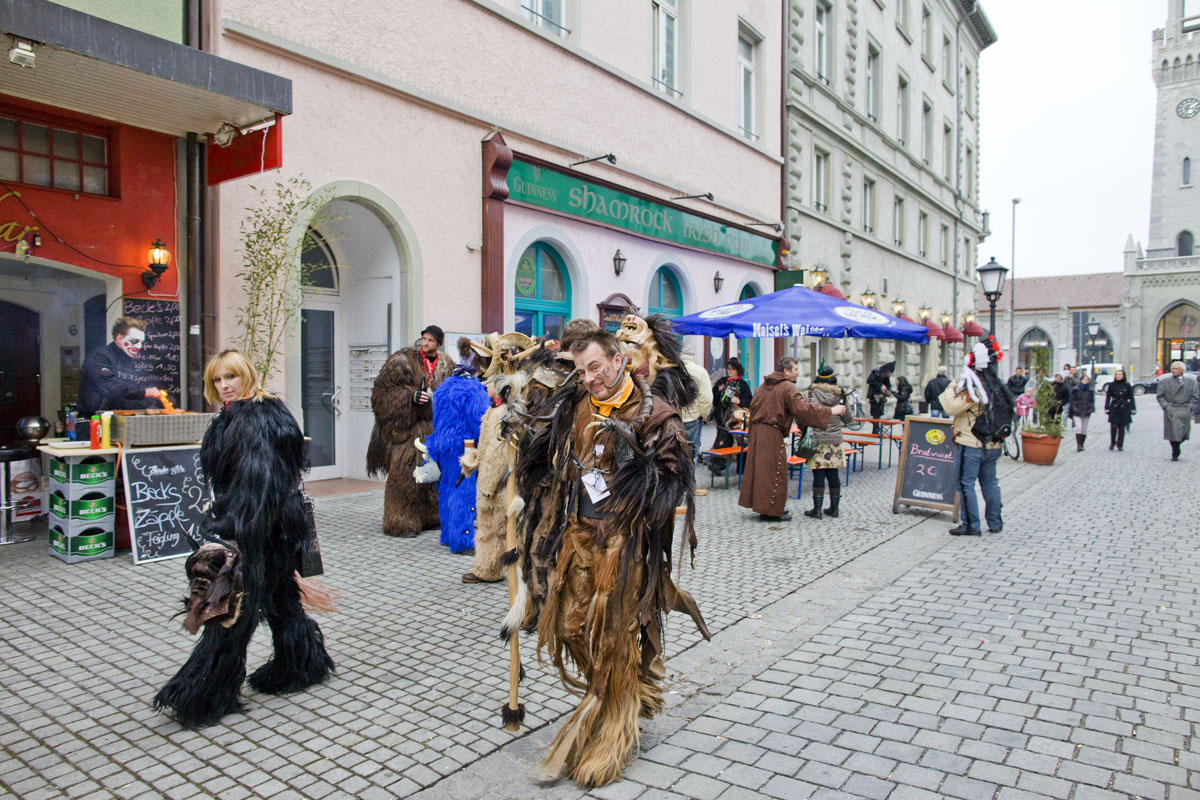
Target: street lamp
pixel 991 277
pixel 897 308
pixel 1012 291
pixel 925 311
pixel 868 298
pixel 819 276
pixel 1093 327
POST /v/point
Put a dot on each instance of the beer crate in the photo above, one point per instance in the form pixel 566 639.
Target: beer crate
pixel 90 543
pixel 76 476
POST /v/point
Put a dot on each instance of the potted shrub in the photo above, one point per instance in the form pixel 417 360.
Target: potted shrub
pixel 1040 441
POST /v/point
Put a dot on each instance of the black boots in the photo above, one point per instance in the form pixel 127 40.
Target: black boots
pixel 1080 438
pixel 1175 451
pixel 815 511
pixel 835 497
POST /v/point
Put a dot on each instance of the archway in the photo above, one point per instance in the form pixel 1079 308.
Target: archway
pixel 1179 336
pixel 1034 339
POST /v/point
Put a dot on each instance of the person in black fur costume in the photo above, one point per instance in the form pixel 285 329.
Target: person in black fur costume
pixel 252 456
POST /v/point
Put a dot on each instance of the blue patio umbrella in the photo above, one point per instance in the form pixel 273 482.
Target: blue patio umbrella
pixel 797 311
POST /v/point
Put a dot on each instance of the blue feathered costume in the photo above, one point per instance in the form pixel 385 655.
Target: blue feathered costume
pixel 459 404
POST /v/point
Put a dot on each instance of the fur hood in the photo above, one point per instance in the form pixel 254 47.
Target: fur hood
pixel 827 394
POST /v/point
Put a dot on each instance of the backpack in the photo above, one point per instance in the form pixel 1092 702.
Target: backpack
pixel 995 420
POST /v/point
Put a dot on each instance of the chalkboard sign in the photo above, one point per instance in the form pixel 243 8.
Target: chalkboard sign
pixel 166 496
pixel 158 363
pixel 928 473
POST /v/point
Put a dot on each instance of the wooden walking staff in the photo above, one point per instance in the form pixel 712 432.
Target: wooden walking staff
pixel 513 713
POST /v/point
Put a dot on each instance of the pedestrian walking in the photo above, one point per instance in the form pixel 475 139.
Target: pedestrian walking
pixel 1016 382
pixel 933 389
pixel 775 405
pixel 1177 396
pixel 1083 404
pixel 1119 403
pixel 879 389
pixel 1062 397
pixel 1024 404
pixel 829 457
pixel 965 401
pixel 903 392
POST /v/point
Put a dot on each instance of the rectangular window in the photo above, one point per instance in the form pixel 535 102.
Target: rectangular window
pixel 665 47
pixel 902 109
pixel 546 14
pixel 898 222
pixel 968 91
pixel 821 181
pixel 746 87
pixel 927 35
pixel 922 233
pixel 926 131
pixel 902 16
pixel 944 245
pixel 874 82
pixel 822 39
pixel 968 257
pixel 44 154
pixel 947 151
pixel 970 170
pixel 868 205
pixel 947 59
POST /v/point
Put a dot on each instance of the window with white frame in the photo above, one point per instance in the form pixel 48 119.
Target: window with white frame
pixel 947 58
pixel 1187 170
pixel 868 205
pixel 944 245
pixel 746 86
pixel 927 35
pixel 926 131
pixel 821 181
pixel 968 257
pixel 823 40
pixel 902 15
pixel 898 222
pixel 665 56
pixel 874 81
pixel 922 234
pixel 947 151
pixel 548 14
pixel 902 109
pixel 968 91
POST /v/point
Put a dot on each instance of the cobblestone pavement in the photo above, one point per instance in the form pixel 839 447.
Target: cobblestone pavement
pixel 870 656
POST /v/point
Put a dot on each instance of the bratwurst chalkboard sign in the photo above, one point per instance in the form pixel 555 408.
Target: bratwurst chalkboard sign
pixel 928 473
pixel 166 496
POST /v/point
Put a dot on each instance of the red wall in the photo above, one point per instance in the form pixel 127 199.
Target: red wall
pixel 117 229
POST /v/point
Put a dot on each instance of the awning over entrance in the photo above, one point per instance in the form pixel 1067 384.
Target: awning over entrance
pixel 96 67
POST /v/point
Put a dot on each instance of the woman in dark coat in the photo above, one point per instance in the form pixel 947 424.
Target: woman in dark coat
pixel 1083 403
pixel 1118 402
pixel 903 391
pixel 253 457
pixel 729 394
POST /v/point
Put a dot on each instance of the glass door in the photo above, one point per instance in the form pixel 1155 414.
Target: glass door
pixel 320 389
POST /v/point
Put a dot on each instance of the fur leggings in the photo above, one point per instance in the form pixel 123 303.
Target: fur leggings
pixel 821 476
pixel 208 685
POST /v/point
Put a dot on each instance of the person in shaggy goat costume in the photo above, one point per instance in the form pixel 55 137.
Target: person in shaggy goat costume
pixel 403 412
pixel 458 406
pixel 256 529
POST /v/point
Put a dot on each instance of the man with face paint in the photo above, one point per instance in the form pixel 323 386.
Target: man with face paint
pixel 110 373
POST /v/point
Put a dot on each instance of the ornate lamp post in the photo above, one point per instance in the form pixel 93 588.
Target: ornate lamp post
pixel 991 278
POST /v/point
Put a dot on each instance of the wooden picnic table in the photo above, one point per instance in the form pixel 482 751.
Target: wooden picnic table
pixel 878 437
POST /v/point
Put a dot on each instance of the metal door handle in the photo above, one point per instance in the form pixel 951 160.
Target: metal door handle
pixel 333 401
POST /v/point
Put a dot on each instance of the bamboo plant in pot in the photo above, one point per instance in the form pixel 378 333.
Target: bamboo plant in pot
pixel 1040 441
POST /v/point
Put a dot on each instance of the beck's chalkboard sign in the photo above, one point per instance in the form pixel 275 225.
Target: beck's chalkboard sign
pixel 928 472
pixel 166 496
pixel 159 362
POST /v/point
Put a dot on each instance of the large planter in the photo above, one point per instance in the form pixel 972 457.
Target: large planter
pixel 1038 448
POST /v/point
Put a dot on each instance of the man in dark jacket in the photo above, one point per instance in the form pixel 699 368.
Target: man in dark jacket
pixel 934 388
pixel 879 388
pixel 110 378
pixel 1062 396
pixel 1016 382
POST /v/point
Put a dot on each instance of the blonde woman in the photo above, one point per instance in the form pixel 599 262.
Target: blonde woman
pixel 253 457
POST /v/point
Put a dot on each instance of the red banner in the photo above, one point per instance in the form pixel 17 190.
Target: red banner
pixel 247 154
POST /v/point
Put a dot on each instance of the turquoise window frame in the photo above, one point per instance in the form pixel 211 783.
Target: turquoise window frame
pixel 535 306
pixel 656 293
pixel 748 349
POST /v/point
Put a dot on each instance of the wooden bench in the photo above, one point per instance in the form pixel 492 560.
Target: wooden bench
pixel 795 462
pixel 725 452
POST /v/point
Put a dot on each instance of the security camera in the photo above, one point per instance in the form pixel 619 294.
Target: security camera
pixel 22 55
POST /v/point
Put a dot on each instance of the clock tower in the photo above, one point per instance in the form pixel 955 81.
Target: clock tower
pixel 1175 196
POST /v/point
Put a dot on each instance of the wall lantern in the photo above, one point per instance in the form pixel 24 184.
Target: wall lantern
pixel 819 276
pixel 717 281
pixel 618 262
pixel 946 317
pixel 897 307
pixel 159 256
pixel 868 298
pixel 925 311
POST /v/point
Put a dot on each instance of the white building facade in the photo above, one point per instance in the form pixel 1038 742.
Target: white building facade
pixel 448 137
pixel 883 163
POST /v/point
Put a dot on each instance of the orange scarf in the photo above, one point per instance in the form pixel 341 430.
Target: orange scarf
pixel 606 407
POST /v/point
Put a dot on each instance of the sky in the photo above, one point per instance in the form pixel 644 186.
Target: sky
pixel 1067 125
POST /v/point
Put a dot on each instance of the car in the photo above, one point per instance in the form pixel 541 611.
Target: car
pixel 1102 374
pixel 1151 384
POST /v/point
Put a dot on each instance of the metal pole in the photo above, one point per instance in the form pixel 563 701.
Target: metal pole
pixel 992 323
pixel 1012 291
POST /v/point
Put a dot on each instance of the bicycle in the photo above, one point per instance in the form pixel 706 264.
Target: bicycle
pixel 854 403
pixel 1012 442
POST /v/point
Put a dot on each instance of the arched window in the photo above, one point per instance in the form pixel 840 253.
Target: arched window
pixel 665 297
pixel 1187 170
pixel 543 293
pixel 1033 340
pixel 748 348
pixel 318 265
pixel 1184 244
pixel 1179 336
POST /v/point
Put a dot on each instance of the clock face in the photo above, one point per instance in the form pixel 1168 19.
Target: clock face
pixel 1188 107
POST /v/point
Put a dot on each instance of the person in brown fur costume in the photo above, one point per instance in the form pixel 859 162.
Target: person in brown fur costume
pixel 608 469
pixel 491 460
pixel 404 413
